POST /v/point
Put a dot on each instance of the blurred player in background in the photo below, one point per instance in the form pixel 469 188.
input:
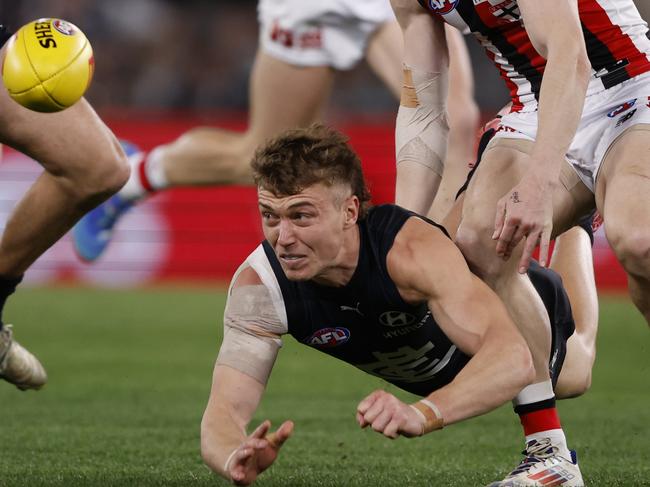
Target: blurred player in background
pixel 397 289
pixel 302 45
pixel 84 165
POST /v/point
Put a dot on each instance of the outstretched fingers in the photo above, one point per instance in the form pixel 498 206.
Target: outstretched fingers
pixel 277 438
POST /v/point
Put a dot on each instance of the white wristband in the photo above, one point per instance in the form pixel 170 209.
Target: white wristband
pixel 228 460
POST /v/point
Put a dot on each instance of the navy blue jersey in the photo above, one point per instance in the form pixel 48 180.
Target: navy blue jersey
pixel 367 323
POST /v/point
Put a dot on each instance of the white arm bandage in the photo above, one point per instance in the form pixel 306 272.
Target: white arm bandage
pixel 252 330
pixel 421 129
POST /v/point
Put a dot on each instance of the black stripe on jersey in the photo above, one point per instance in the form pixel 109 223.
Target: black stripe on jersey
pixel 472 18
pixel 601 57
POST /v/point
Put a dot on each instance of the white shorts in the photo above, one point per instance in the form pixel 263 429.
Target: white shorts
pixel 320 32
pixel 605 117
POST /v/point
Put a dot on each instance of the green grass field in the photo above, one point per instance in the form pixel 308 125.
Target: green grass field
pixel 130 373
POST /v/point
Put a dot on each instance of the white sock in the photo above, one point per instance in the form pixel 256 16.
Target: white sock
pixel 536 393
pixel 154 179
pixel 155 170
pixel 557 438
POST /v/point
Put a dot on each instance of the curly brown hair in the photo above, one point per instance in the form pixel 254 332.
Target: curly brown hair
pixel 299 158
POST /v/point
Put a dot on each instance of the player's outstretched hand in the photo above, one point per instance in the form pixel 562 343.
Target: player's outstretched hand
pixel 524 212
pixel 389 416
pixel 257 452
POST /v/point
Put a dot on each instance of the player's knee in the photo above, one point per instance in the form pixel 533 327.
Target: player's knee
pixel 103 177
pixel 478 250
pixel 632 247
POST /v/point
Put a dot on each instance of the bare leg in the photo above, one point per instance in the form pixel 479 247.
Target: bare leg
pixel 503 163
pixel 420 188
pixel 415 185
pixel 463 114
pixel 83 164
pixel 572 259
pixel 384 56
pixel 623 198
pixel 282 96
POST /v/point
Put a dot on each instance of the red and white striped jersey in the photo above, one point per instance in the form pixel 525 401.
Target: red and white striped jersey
pixel 616 37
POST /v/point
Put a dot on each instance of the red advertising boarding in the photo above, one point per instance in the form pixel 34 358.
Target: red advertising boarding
pixel 201 235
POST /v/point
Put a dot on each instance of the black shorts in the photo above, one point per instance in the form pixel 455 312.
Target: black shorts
pixel 5 34
pixel 548 284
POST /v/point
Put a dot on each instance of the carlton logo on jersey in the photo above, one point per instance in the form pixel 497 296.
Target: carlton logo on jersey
pixel 329 337
pixel 442 7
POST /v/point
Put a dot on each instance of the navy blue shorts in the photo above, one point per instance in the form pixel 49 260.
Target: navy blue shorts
pixel 548 285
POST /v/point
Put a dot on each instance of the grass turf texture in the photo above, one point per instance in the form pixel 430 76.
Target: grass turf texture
pixel 130 373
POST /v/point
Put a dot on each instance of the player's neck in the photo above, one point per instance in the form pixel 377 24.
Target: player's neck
pixel 343 267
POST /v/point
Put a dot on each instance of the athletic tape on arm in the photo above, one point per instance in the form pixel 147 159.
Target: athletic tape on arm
pixel 421 129
pixel 430 414
pixel 252 330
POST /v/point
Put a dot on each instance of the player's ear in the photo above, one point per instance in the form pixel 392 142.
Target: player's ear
pixel 351 210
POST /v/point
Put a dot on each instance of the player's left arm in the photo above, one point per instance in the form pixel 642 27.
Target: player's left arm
pixel 426 265
pixel 554 28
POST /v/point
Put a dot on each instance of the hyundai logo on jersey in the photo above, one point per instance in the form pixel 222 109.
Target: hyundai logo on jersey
pixel 329 337
pixel 443 7
pixel 618 110
pixel 396 318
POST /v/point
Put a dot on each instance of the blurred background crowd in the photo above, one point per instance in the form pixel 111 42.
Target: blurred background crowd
pixel 197 54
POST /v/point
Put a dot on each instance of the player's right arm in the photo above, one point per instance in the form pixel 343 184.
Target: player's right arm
pixel 425 265
pixel 248 351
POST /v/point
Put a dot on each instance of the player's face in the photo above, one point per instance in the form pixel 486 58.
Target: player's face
pixel 308 230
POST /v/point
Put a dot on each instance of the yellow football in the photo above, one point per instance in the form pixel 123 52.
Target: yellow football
pixel 48 65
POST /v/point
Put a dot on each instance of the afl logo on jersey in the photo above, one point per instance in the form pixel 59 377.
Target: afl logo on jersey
pixel 395 319
pixel 329 337
pixel 442 7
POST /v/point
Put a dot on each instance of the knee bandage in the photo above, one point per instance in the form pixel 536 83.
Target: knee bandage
pixel 421 130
